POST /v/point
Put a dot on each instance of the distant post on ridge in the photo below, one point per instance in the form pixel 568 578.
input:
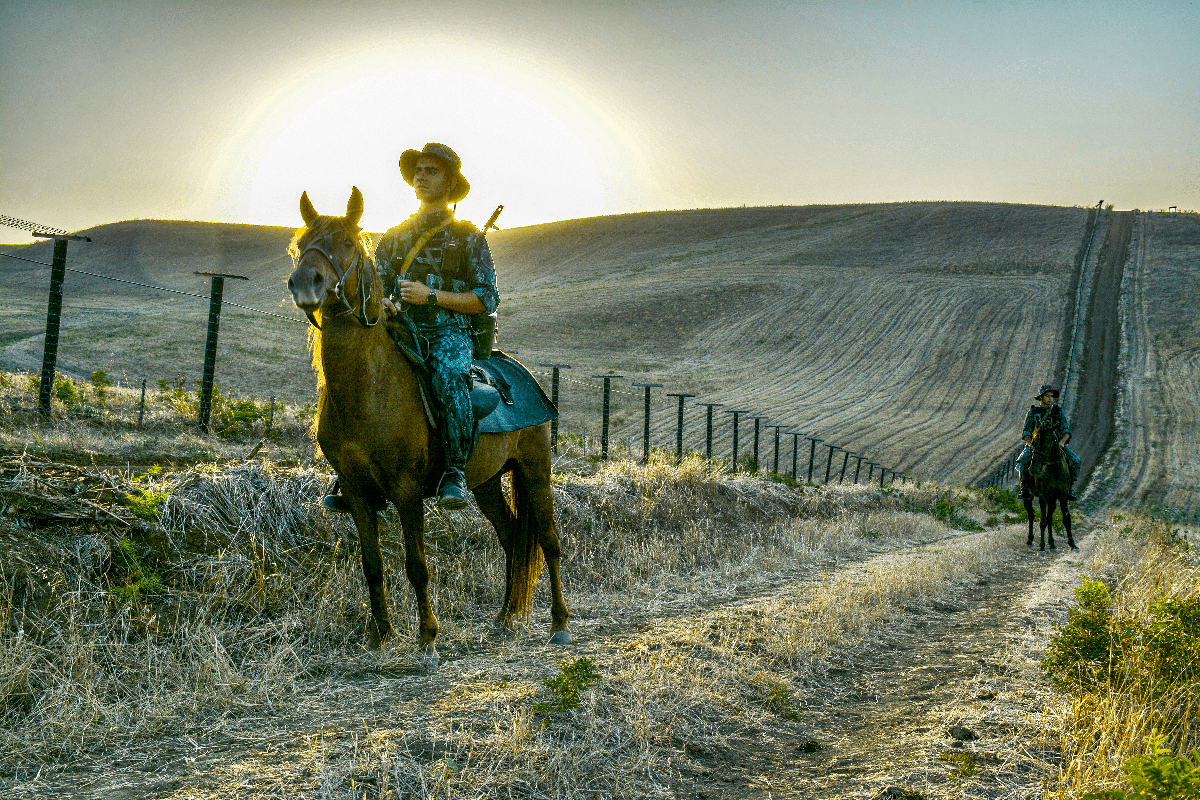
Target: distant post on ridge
pixel 708 427
pixel 58 272
pixel 679 424
pixel 604 415
pixel 646 422
pixel 210 344
pixel 554 398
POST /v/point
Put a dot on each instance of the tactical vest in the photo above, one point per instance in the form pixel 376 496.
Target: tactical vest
pixel 454 271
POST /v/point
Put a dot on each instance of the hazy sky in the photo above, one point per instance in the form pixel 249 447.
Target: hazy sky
pixel 227 111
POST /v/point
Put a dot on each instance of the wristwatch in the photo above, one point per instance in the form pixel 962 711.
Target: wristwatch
pixel 432 299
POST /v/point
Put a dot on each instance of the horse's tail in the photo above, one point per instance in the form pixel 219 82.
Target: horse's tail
pixel 526 561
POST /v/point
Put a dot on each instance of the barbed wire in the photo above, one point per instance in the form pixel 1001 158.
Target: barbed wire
pixel 26 225
pixel 161 289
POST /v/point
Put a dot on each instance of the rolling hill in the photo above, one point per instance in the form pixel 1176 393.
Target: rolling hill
pixel 911 333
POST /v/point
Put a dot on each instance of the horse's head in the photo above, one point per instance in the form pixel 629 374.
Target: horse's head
pixel 334 273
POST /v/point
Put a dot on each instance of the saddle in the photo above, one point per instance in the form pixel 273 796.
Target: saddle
pixel 505 396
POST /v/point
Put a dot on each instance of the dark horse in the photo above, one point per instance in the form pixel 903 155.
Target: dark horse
pixel 371 424
pixel 1051 483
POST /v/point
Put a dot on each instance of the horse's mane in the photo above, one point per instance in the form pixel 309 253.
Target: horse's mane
pixel 319 227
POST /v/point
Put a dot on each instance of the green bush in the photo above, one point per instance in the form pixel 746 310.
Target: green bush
pixel 1002 499
pixel 100 384
pixel 574 677
pixel 64 391
pixel 1159 775
pixel 1083 652
pixel 131 581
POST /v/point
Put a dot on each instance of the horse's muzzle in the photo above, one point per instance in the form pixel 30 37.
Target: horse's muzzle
pixel 309 288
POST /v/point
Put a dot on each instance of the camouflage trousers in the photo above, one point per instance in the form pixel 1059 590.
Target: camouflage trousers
pixel 1072 463
pixel 448 356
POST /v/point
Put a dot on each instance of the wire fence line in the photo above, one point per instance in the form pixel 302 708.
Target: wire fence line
pixel 748 459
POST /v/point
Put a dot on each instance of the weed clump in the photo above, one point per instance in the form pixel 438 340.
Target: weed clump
pixel 574 678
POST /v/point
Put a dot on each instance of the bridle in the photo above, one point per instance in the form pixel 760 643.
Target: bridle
pixel 324 246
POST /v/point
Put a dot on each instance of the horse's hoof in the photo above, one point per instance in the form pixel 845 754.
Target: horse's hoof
pixel 1041 552
pixel 428 658
pixel 375 638
pixel 1029 544
pixel 561 637
pixel 1074 548
pixel 1053 549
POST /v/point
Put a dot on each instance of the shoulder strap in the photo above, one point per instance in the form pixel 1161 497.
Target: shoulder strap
pixel 419 245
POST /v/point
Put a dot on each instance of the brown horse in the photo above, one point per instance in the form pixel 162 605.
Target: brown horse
pixel 1051 484
pixel 371 424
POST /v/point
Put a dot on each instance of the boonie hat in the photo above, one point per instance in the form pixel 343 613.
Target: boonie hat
pixel 408 164
pixel 1047 388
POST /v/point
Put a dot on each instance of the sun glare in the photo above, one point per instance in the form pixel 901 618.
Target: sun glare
pixel 515 150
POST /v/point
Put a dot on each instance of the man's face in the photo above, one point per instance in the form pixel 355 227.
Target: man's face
pixel 1047 399
pixel 431 181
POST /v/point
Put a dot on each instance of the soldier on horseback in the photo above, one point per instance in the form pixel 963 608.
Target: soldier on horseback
pixel 439 271
pixel 1048 418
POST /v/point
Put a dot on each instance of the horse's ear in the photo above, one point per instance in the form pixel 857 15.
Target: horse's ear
pixel 307 212
pixel 354 209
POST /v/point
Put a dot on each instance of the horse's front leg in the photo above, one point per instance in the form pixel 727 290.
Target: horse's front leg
pixel 1029 516
pixel 1050 525
pixel 1042 507
pixel 367 523
pixel 412 519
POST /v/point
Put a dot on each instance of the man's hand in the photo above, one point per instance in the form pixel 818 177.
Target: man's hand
pixel 414 292
pixel 390 307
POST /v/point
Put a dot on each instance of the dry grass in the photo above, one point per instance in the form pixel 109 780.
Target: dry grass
pixel 1099 730
pixel 237 615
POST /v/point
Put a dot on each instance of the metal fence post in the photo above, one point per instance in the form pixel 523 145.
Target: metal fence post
pixel 58 272
pixel 604 411
pixel 735 413
pixel 775 468
pixel 554 399
pixel 795 452
pixel 829 461
pixel 857 467
pixel 646 422
pixel 210 344
pixel 679 424
pixel 757 423
pixel 708 427
pixel 845 461
pixel 812 455
pixel 142 405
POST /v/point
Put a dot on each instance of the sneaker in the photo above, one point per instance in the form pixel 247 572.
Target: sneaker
pixel 454 491
pixel 335 502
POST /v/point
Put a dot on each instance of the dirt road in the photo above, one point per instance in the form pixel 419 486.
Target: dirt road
pixel 949 673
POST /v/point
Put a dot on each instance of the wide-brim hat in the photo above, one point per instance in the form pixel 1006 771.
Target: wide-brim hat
pixel 408 165
pixel 1047 388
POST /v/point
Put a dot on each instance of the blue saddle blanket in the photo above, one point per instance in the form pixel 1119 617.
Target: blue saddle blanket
pixel 523 403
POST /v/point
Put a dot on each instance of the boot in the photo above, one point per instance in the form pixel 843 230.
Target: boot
pixel 333 501
pixel 453 493
pixel 1024 493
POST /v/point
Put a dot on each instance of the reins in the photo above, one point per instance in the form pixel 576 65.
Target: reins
pixel 324 246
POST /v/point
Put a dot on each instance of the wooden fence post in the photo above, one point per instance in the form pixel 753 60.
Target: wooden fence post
pixel 554 399
pixel 646 422
pixel 604 410
pixel 210 345
pixel 58 272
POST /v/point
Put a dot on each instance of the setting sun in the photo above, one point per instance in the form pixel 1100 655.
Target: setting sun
pixel 516 151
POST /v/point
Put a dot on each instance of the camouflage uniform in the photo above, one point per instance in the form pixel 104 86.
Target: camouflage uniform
pixel 1056 428
pixel 455 259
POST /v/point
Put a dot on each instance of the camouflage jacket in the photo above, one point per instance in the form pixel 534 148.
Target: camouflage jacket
pixel 1056 427
pixel 456 259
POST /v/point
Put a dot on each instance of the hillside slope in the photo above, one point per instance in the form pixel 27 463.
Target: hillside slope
pixel 910 333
